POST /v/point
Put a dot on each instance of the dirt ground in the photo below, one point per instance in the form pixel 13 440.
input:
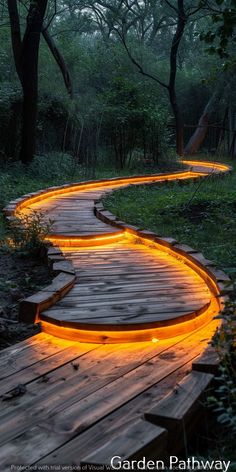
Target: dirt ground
pixel 20 276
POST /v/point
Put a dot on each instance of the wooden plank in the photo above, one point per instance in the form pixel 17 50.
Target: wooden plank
pixel 126 265
pixel 53 428
pixel 45 366
pixel 28 353
pixel 70 313
pixel 106 364
pixel 110 426
pixel 99 269
pixel 113 289
pixel 139 440
pixel 76 233
pixel 162 265
pixel 117 321
pixel 208 361
pixel 12 353
pixel 175 274
pixel 157 266
pixel 78 299
pixel 30 307
pixel 130 252
pixel 137 282
pixel 177 411
pixel 127 294
pixel 130 277
pixel 102 291
pixel 154 301
pixel 119 279
pixel 90 266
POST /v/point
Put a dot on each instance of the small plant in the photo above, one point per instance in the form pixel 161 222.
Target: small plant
pixel 27 232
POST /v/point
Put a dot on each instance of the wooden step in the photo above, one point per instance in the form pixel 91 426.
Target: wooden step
pixel 180 410
pixel 141 439
pixel 207 362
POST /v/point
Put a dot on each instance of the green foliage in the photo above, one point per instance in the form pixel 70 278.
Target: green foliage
pixel 47 170
pixel 222 34
pixel 10 108
pixel 200 215
pixel 139 124
pixel 55 167
pixel 27 233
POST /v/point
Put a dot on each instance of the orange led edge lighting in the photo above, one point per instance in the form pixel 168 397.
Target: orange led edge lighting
pixel 97 240
pixel 62 190
pixel 114 335
pixel 151 334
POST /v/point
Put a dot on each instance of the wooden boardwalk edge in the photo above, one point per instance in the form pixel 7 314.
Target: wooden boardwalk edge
pixel 31 307
pixel 174 417
pixel 158 431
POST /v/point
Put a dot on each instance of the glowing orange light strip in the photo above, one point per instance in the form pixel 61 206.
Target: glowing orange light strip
pixel 86 241
pixel 210 165
pixel 201 271
pixel 120 334
pixel 81 186
pixel 115 335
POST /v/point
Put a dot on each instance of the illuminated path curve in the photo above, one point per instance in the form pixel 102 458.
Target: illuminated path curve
pixel 130 285
pixel 84 402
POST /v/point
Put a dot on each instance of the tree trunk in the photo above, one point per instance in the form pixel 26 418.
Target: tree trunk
pixel 173 69
pixel 15 35
pixel 200 133
pixel 29 67
pixel 179 128
pixel 60 62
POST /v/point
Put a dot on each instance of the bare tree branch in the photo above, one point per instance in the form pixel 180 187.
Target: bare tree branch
pixel 139 67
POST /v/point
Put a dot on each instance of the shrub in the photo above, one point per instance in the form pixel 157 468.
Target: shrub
pixel 27 233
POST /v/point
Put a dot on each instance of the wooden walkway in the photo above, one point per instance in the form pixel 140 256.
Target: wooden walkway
pixel 73 403
pixel 126 286
pixel 81 396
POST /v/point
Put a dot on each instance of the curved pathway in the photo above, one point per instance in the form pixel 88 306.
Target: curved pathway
pixel 130 285
pixel 82 403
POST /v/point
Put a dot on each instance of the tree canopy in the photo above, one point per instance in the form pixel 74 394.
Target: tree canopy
pixel 124 78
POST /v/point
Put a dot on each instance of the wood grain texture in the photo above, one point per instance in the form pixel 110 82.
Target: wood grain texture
pixel 71 402
pixel 180 410
pixel 83 402
pixel 128 285
pixel 139 440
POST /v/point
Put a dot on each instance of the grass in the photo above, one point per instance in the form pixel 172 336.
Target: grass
pixel 201 215
pixel 53 169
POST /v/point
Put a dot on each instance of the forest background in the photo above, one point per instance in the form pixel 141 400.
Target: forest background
pixel 91 89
